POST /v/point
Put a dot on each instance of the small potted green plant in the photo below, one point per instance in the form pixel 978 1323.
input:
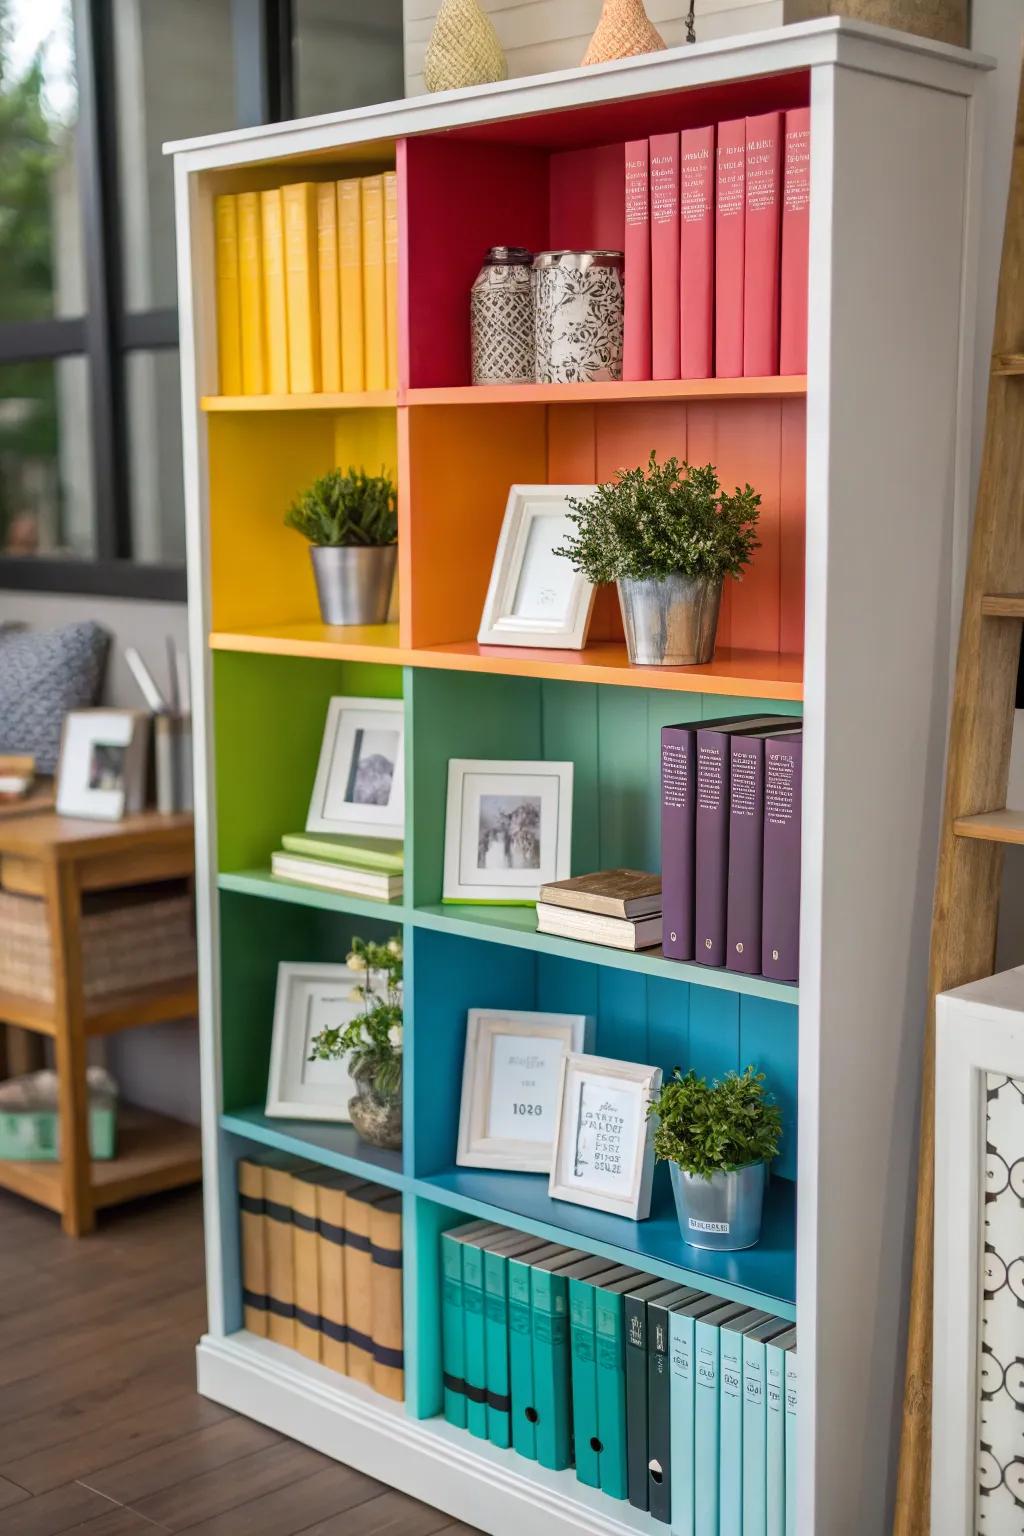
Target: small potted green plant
pixel 351 522
pixel 718 1140
pixel 372 1042
pixel 667 535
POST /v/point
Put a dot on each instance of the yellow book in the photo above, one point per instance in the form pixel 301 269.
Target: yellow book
pixel 299 204
pixel 250 280
pixel 391 273
pixel 254 1266
pixel 375 343
pixel 229 315
pixel 350 253
pixel 305 1261
pixel 275 305
pixel 327 271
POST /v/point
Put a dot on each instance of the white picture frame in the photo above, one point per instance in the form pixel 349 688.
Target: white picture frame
pixel 979 1030
pixel 586 1145
pixel 511 1073
pixel 309 997
pixel 359 736
pixel 508 829
pixel 101 774
pixel 535 597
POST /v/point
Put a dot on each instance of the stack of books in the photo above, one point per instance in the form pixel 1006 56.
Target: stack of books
pixel 360 866
pixel 307 287
pixel 322 1267
pixel 656 1392
pixel 618 907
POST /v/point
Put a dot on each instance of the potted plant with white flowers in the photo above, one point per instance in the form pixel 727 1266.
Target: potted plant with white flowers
pixel 718 1140
pixel 372 1042
pixel 668 536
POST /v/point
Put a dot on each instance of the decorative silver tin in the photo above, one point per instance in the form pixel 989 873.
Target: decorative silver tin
pixel 501 318
pixel 353 582
pixel 723 1212
pixel 577 303
pixel 670 621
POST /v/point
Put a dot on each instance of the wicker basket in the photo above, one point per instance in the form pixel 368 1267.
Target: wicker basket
pixel 133 938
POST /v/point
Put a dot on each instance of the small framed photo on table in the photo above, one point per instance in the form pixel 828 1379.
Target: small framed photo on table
pixel 604 1141
pixel 510 1079
pixel 360 779
pixel 508 829
pixel 102 769
pixel 310 998
pixel 535 596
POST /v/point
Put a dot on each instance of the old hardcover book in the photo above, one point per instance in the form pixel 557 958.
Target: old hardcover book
pixel 627 893
pixel 665 256
pixel 275 302
pixel 250 278
pixel 229 313
pixel 335 877
pixel 330 1212
pixel 730 209
pixel 589 928
pixel 359 1278
pixel 298 202
pixel 386 1279
pixel 796 223
pixel 696 251
pixel 636 343
pixel 305 1261
pixel 780 922
pixel 254 1269
pixel 761 245
pixel 277 1233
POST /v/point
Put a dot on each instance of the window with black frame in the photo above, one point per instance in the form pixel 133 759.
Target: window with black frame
pixel 90 436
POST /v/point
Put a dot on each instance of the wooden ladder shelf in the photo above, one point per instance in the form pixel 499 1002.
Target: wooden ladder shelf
pixel 975 825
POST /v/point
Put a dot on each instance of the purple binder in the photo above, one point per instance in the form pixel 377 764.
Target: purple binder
pixel 780 924
pixel 746 854
pixel 678 796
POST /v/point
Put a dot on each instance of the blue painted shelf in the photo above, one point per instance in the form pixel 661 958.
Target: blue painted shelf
pixel 336 1146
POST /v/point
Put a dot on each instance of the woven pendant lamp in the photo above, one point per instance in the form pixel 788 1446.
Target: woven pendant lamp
pixel 624 29
pixel 463 48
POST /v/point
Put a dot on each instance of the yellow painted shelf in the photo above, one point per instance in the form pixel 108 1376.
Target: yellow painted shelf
pixel 366 400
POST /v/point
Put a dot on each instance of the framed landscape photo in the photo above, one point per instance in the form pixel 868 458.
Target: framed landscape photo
pixel 508 829
pixel 360 778
pixel 604 1142
pixel 510 1078
pixel 102 768
pixel 309 998
pixel 535 597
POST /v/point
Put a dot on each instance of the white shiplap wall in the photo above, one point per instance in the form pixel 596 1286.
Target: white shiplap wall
pixel 540 35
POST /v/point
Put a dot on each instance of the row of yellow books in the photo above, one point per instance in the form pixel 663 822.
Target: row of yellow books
pixel 307 287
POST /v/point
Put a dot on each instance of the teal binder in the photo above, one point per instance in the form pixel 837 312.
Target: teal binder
pixel 453 1355
pixel 583 1350
pixel 730 1421
pixel 549 1308
pixel 681 1330
pixel 791 1420
pixel 473 1335
pixel 520 1351
pixel 610 1349
pixel 755 1426
pixel 659 1400
pixel 775 1432
pixel 497 1251
pixel 705 1416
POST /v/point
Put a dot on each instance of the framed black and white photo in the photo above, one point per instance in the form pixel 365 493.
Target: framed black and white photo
pixel 510 1078
pixel 102 769
pixel 508 829
pixel 604 1141
pixel 360 778
pixel 535 597
pixel 309 998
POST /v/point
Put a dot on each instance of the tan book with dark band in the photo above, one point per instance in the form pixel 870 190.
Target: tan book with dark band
pixel 331 1196
pixel 254 1268
pixel 305 1261
pixel 386 1282
pixel 277 1234
pixel 359 1279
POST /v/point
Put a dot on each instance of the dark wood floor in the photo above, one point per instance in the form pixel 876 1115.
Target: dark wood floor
pixel 101 1430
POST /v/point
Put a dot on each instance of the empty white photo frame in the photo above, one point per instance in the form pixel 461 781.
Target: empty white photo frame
pixel 535 597
pixel 511 1075
pixel 360 778
pixel 604 1140
pixel 102 768
pixel 310 998
pixel 508 829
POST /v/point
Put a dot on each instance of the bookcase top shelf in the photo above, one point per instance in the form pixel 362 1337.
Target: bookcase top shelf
pixel 363 400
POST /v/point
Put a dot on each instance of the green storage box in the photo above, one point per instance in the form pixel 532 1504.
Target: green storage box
pixel 29 1129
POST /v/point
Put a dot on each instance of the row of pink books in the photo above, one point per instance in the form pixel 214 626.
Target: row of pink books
pixel 716 249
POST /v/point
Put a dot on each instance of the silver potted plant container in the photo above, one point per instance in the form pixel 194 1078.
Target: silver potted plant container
pixel 351 522
pixel 718 1140
pixel 667 535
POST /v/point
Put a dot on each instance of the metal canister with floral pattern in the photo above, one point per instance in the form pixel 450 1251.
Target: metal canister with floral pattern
pixel 577 314
pixel 501 317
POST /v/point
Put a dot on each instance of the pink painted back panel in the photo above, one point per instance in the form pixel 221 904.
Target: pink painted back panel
pixel 587 199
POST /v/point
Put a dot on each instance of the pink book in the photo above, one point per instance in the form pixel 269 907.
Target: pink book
pixel 796 219
pixel 636 349
pixel 730 208
pixel 696 251
pixel 762 238
pixel 665 256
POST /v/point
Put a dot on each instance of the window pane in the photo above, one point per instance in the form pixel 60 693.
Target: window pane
pixel 40 222
pixel 174 80
pixel 154 457
pixel 347 54
pixel 46 487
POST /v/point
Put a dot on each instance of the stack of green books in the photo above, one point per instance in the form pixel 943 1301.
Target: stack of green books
pixel 360 866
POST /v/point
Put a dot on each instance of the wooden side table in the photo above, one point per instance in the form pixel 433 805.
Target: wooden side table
pixel 59 858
